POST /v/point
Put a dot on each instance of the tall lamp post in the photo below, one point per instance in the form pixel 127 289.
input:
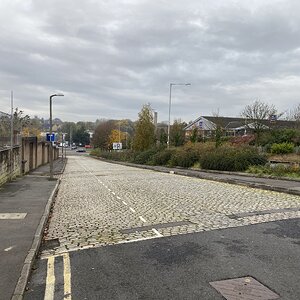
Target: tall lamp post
pixel 169 123
pixel 51 144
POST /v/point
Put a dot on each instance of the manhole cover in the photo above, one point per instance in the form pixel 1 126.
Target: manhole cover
pixel 244 288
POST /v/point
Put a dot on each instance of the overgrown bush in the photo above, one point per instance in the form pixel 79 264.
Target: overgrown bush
pixel 162 157
pixel 182 158
pixel 282 148
pixel 145 156
pixel 279 170
pixel 231 159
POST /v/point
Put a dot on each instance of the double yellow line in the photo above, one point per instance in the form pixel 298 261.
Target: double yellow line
pixel 50 279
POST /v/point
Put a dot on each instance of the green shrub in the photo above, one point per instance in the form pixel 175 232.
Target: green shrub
pixel 145 156
pixel 162 157
pixel 279 170
pixel 231 159
pixel 182 158
pixel 282 148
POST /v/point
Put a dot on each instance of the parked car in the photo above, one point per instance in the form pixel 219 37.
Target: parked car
pixel 81 150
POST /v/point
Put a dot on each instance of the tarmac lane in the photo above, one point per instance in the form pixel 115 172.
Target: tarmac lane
pixel 178 267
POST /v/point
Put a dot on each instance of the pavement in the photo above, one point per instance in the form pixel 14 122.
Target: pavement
pixel 33 194
pixel 24 207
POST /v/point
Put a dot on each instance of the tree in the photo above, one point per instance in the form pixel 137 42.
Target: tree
pixel 256 114
pixel 194 135
pixel 81 136
pixel 102 132
pixel 144 137
pixel 116 136
pixel 177 133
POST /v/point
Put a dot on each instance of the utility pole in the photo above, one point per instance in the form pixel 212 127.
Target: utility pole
pixel 11 168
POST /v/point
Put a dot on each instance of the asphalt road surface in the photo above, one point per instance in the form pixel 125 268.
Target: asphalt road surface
pixel 118 232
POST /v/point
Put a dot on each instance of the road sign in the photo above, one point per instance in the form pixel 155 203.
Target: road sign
pixel 117 146
pixel 50 137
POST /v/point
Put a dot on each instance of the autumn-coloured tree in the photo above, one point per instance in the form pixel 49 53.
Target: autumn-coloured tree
pixel 116 136
pixel 144 137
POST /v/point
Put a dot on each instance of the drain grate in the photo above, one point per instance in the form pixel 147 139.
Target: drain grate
pixel 50 244
pixel 155 226
pixel 244 288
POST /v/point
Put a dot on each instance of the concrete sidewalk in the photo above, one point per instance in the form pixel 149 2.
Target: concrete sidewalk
pixel 24 208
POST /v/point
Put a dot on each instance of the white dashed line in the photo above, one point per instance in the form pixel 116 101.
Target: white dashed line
pixel 142 219
pixel 113 193
pixel 118 198
pixel 131 209
pixel 157 233
pixel 124 202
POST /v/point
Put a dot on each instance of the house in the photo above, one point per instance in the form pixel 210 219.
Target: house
pixel 206 125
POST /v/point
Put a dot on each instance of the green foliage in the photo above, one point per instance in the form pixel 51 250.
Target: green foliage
pixel 145 157
pixel 144 137
pixel 194 135
pixel 182 158
pixel 279 136
pixel 282 148
pixel 231 159
pixel 162 157
pixel 177 134
pixel 279 170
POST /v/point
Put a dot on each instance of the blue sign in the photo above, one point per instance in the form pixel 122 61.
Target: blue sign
pixel 273 118
pixel 50 137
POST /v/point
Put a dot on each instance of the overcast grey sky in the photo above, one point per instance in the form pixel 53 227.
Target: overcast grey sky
pixel 111 57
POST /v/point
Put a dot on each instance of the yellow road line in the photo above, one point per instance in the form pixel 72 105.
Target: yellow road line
pixel 67 277
pixel 50 279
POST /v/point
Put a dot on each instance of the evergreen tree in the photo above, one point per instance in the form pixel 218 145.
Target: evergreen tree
pixel 144 137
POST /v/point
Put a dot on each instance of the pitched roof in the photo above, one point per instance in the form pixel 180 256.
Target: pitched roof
pixel 234 123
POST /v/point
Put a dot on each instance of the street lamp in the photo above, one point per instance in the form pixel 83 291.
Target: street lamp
pixel 51 145
pixel 169 123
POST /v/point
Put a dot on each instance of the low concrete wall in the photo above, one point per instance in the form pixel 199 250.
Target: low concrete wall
pixel 31 155
pixel 6 171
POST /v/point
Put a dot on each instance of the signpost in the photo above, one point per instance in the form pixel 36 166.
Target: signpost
pixel 117 146
pixel 50 137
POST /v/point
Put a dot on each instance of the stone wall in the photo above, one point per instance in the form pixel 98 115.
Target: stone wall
pixel 6 172
pixel 31 155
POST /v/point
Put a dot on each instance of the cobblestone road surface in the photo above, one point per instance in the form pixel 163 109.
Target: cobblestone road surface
pixel 99 203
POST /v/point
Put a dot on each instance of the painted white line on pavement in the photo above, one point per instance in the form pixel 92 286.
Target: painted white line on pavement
pixel 139 240
pixel 118 198
pixel 9 248
pixel 109 190
pixel 50 279
pixel 124 202
pixel 157 233
pixel 142 219
pixel 131 209
pixel 67 277
pixel 113 193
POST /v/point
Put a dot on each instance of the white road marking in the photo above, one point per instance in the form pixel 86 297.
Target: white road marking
pixel 118 198
pixel 50 279
pixel 131 209
pixel 157 233
pixel 124 202
pixel 113 193
pixel 67 277
pixel 12 216
pixel 9 248
pixel 142 219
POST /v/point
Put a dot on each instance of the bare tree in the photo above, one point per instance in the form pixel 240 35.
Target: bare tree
pixel 294 115
pixel 256 115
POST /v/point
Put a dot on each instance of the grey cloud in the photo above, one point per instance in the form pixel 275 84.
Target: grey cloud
pixel 110 57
